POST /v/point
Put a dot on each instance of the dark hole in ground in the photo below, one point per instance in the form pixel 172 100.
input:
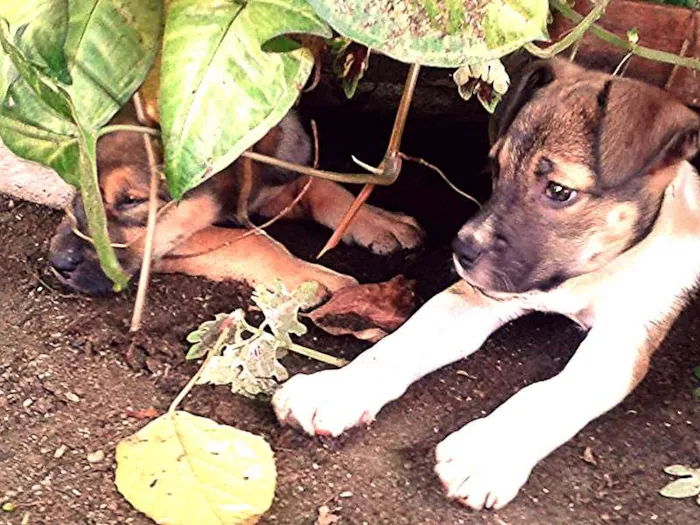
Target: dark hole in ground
pixel 54 344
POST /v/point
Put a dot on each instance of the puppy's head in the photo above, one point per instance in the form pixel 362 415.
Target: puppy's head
pixel 124 183
pixel 581 162
pixel 124 176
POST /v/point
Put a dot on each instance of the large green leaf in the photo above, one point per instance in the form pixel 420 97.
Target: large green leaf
pixel 110 47
pixel 49 91
pixel 442 33
pixel 31 129
pixel 39 29
pixel 36 115
pixel 220 92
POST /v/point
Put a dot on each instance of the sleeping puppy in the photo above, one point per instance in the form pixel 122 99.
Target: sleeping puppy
pixel 189 236
pixel 595 214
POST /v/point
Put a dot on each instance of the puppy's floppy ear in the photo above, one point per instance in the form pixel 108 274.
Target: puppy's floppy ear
pixel 642 129
pixel 533 77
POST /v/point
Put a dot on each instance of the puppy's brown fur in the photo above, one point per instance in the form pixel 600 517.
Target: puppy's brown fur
pixel 190 237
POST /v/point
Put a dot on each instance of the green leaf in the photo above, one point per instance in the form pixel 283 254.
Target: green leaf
pixel 251 369
pixel 696 372
pixel 679 470
pixel 110 47
pixel 32 130
pixel 281 307
pixel 681 488
pixel 94 210
pixel 40 28
pixel 446 33
pixel 686 487
pixel 205 336
pixel 220 91
pixel 51 93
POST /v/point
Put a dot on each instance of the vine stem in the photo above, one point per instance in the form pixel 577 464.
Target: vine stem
pixel 94 210
pixel 614 40
pixel 391 164
pixel 149 245
pixel 574 36
pixel 382 179
pixel 318 356
pixel 354 178
pixel 128 127
pixel 214 350
pixel 442 175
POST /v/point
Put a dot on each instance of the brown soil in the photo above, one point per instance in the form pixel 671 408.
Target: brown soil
pixel 71 378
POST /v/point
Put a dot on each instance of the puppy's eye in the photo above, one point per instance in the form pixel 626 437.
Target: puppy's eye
pixel 129 201
pixel 558 193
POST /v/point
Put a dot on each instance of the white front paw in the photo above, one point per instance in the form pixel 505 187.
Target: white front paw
pixel 325 403
pixel 483 465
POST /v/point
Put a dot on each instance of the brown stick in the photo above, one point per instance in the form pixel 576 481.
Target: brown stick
pixel 391 164
pixel 144 277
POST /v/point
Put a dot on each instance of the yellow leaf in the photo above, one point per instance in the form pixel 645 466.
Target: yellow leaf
pixel 182 469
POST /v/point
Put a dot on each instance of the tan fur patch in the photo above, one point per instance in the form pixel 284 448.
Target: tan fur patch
pixel 572 174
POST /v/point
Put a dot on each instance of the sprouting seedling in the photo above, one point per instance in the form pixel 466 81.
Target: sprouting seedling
pixel 687 486
pixel 247 357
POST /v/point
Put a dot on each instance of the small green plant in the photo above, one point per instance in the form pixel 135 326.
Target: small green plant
pixel 248 357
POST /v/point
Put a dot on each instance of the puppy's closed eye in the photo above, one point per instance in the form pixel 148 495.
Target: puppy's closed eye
pixel 128 201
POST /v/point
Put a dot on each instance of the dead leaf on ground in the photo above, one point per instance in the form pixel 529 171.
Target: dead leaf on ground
pixel 182 469
pixel 367 311
pixel 588 456
pixel 326 517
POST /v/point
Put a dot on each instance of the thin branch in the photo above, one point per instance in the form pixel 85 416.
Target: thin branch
pixel 391 164
pixel 353 178
pixel 318 356
pixel 346 220
pixel 685 46
pixel 618 69
pixel 614 40
pixel 442 174
pixel 574 36
pixel 74 227
pixel 381 179
pixel 128 127
pixel 225 329
pixel 144 276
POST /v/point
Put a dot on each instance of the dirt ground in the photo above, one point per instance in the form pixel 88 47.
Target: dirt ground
pixel 72 378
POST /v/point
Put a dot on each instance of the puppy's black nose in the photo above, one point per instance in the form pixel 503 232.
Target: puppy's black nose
pixel 466 250
pixel 66 260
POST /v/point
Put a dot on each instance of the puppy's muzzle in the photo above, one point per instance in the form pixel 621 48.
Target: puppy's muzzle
pixel 467 251
pixel 66 261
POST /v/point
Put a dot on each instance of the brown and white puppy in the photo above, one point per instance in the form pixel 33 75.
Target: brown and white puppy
pixel 595 214
pixel 189 236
